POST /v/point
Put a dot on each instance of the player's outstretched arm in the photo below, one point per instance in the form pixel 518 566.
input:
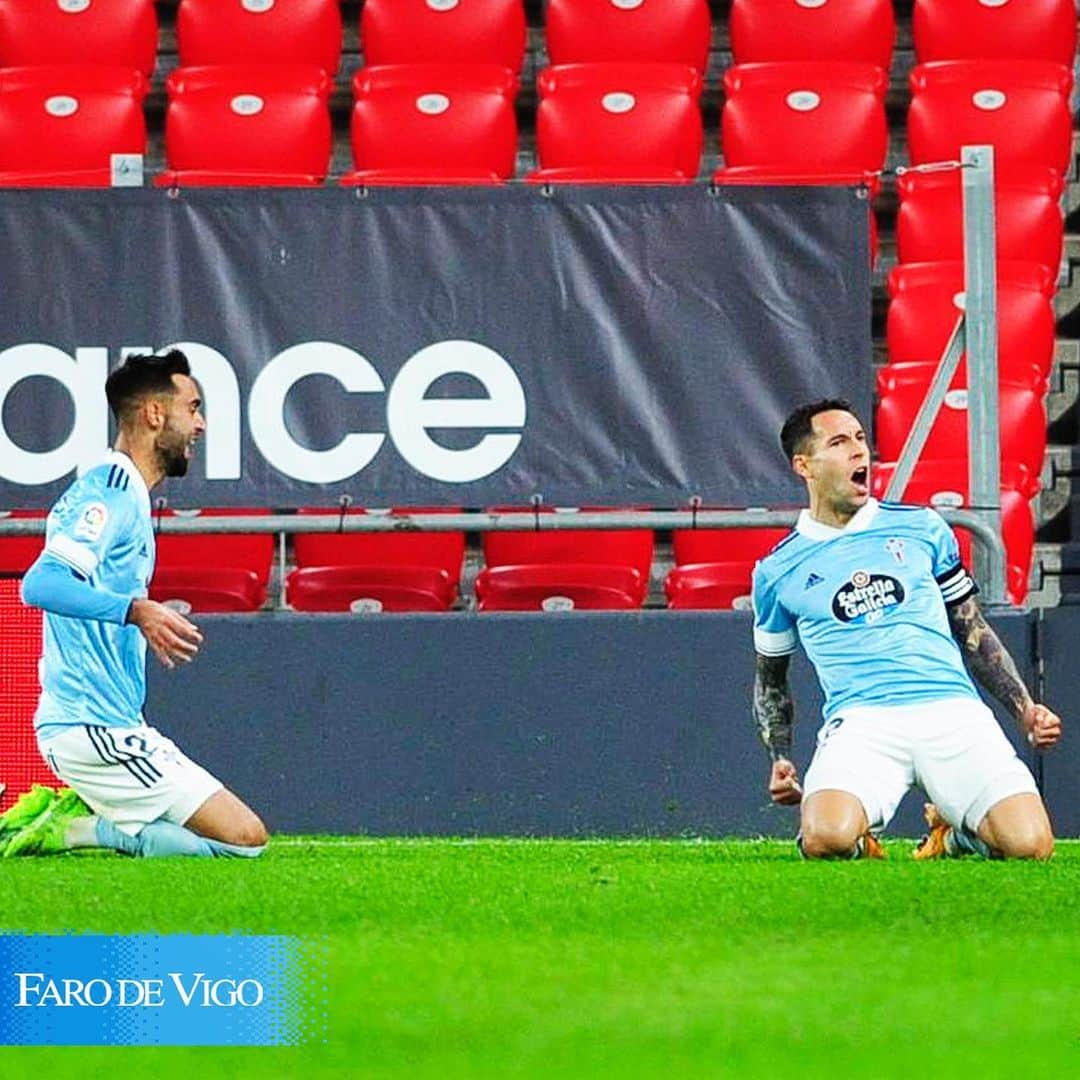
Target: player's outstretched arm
pixel 56 587
pixel 989 661
pixel 774 713
pixel 172 638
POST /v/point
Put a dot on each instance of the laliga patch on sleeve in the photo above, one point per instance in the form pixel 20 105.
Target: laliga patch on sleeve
pixel 92 522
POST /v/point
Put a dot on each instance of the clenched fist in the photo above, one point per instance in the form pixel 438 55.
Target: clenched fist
pixel 1042 725
pixel 784 788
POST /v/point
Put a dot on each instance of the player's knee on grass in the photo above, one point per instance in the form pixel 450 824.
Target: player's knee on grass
pixel 226 818
pixel 1033 841
pixel 253 834
pixel 831 823
pixel 246 831
pixel 1017 828
pixel 828 840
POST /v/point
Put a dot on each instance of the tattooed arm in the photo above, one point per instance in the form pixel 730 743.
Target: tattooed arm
pixel 990 663
pixel 774 713
pixel 774 710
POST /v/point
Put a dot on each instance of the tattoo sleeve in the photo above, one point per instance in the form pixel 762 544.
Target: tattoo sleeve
pixel 988 660
pixel 774 710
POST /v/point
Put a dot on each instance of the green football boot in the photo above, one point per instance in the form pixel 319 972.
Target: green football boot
pixel 29 806
pixel 47 834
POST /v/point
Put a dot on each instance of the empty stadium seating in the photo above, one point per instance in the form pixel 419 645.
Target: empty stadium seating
pixel 944 484
pixel 213 572
pixel 211 32
pixel 817 118
pixel 247 125
pixel 713 567
pixel 618 122
pixel 433 123
pixel 800 30
pixel 60 125
pixel 556 570
pixel 443 31
pixel 994 29
pixel 924 307
pixel 1029 224
pixel 121 33
pixel 1020 107
pixel 1021 419
pixel 652 31
pixel 18 553
pixel 398 571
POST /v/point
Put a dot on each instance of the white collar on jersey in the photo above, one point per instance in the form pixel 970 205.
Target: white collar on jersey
pixel 817 530
pixel 115 457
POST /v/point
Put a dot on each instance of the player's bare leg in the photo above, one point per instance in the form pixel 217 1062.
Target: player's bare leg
pixel 1017 828
pixel 1014 828
pixel 834 826
pixel 227 818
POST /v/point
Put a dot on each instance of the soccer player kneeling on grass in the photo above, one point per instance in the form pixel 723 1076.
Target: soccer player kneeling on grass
pixel 886 613
pixel 131 788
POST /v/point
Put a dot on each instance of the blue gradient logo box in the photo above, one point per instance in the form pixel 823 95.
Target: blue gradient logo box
pixel 161 990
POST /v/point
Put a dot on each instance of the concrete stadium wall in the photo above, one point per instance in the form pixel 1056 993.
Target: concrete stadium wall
pixel 578 724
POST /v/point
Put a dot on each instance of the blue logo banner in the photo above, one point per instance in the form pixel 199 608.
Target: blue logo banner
pixel 161 990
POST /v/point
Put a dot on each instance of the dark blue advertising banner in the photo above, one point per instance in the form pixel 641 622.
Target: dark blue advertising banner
pixel 423 346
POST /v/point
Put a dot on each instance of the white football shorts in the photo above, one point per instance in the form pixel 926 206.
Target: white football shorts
pixel 129 775
pixel 953 749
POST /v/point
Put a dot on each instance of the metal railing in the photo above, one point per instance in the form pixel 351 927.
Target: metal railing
pixel 983 532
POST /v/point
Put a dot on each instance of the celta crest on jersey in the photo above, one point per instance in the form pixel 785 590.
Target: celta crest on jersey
pixel 895 547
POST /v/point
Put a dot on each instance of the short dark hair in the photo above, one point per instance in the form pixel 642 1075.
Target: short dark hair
pixel 798 427
pixel 140 376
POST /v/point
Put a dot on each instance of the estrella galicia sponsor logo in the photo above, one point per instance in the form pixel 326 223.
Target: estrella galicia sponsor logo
pixel 866 597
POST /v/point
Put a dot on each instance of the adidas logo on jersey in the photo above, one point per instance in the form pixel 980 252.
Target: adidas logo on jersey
pixel 812 580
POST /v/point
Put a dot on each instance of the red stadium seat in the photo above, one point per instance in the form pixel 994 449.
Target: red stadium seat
pixel 18 553
pixel 211 32
pixel 213 572
pixel 1029 223
pixel 923 310
pixel 944 484
pixel 120 33
pixel 1021 419
pixel 433 123
pixel 798 30
pixel 649 31
pixel 558 570
pixel 443 31
pixel 916 372
pixel 247 125
pixel 399 571
pixel 1020 107
pixel 618 122
pixel 713 567
pixel 59 126
pixel 994 30
pixel 805 118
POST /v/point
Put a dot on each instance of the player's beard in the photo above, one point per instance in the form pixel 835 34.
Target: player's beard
pixel 172 451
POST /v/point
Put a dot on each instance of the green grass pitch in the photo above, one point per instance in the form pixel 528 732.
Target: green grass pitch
pixel 502 958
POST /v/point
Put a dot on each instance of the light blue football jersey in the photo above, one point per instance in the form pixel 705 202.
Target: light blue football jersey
pixel 868 602
pixel 93 671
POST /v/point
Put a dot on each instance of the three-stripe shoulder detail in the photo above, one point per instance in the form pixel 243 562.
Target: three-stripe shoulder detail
pixel 118 478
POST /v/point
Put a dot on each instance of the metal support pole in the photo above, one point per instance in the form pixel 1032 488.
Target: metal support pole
pixel 980 286
pixel 927 414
